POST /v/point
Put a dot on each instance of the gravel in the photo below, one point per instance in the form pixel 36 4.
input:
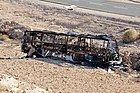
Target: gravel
pixel 58 76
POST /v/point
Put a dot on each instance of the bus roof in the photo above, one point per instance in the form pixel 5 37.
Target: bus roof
pixel 91 36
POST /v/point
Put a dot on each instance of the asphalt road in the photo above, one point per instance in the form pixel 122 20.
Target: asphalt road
pixel 104 5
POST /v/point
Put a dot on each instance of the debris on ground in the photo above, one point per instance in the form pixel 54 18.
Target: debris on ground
pixel 71 7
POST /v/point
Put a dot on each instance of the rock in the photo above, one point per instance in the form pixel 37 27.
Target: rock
pixel 14 86
pixel 16 34
pixel 9 82
pixel 12 29
pixel 125 74
pixel 35 90
pixel 71 7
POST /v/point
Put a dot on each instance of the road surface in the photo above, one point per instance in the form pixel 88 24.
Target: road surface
pixel 104 5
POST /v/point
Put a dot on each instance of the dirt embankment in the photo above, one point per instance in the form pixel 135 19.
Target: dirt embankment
pixel 54 75
pixel 25 15
pixel 41 16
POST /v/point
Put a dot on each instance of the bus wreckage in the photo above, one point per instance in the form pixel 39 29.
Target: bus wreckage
pixel 73 47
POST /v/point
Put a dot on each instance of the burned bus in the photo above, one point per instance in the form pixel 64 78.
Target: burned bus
pixel 74 47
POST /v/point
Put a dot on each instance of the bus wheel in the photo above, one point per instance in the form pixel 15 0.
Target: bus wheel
pixel 84 63
pixel 38 53
pixel 76 59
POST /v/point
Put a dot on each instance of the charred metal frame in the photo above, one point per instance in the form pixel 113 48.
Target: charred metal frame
pixel 80 47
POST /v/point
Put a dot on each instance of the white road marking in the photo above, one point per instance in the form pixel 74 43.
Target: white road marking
pixel 76 0
pixel 120 7
pixel 95 3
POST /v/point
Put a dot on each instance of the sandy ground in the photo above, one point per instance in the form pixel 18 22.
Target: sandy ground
pixel 57 76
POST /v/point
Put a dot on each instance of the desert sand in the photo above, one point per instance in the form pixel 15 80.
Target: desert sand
pixel 57 76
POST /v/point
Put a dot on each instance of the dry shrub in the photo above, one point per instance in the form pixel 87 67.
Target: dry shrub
pixel 135 59
pixel 130 35
pixel 4 37
pixel 131 60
